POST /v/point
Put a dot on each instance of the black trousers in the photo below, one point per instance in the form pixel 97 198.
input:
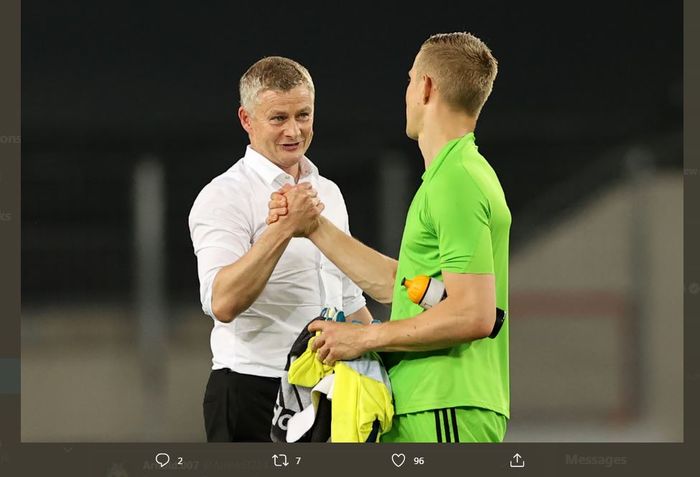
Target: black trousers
pixel 239 407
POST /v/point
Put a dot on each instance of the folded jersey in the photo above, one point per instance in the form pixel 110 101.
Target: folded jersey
pixel 347 402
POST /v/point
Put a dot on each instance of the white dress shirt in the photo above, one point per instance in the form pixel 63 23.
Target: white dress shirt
pixel 227 217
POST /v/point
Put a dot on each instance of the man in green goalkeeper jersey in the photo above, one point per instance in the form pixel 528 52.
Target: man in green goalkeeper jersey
pixel 450 381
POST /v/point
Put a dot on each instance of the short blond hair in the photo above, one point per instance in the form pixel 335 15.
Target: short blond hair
pixel 462 67
pixel 272 73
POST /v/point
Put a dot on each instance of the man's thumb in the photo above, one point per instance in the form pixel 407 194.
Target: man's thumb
pixel 316 325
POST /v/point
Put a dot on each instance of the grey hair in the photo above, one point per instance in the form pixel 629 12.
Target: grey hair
pixel 272 73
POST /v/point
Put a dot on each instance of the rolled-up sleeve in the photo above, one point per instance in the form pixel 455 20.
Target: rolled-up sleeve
pixel 221 231
pixel 353 299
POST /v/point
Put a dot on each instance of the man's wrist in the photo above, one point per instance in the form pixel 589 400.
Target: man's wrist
pixel 316 234
pixel 372 338
pixel 282 228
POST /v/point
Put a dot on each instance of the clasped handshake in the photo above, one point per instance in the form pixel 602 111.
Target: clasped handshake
pixel 296 207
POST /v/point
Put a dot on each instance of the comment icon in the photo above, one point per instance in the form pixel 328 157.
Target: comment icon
pixel 162 459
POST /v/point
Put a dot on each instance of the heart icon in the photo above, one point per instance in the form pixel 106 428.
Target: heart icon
pixel 398 459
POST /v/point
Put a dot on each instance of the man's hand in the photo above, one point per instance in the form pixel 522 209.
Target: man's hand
pixel 297 204
pixel 339 341
pixel 277 205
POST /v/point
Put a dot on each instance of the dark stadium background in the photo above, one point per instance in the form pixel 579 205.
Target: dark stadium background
pixel 105 83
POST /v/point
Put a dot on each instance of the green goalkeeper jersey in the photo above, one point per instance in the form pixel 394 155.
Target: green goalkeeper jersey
pixel 458 222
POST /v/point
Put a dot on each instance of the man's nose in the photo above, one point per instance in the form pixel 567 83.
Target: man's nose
pixel 293 129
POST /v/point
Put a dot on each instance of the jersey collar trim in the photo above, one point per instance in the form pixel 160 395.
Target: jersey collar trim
pixel 444 152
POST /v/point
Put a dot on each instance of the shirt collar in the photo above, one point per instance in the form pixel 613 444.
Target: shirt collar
pixel 444 152
pixel 271 173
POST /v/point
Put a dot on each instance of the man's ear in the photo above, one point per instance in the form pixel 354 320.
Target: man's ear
pixel 427 88
pixel 245 119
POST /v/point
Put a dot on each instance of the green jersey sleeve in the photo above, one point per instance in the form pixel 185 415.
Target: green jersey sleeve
pixel 461 219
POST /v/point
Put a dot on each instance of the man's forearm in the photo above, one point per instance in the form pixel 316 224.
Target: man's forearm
pixel 444 325
pixel 362 315
pixel 238 285
pixel 373 272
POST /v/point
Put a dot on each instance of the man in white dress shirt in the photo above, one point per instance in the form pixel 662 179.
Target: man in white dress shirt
pixel 262 284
